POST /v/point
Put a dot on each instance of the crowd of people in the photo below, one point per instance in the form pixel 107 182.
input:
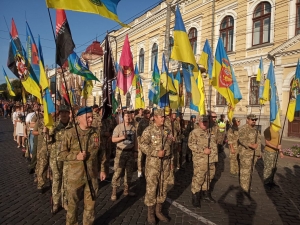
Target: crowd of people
pixel 75 153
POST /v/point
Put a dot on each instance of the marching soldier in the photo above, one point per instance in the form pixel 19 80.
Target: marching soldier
pixel 155 143
pixel 186 151
pixel 143 124
pixel 59 182
pixel 77 179
pixel 249 150
pixel 233 137
pixel 124 136
pixel 204 158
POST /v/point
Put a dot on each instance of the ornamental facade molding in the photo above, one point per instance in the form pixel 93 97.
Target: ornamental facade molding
pixel 281 48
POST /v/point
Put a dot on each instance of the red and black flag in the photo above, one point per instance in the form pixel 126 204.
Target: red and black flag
pixel 64 94
pixel 64 41
pixel 109 75
pixel 11 64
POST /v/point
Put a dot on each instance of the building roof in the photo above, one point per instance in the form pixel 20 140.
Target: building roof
pixel 95 49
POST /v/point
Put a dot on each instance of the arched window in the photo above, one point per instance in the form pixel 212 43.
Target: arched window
pixel 221 101
pixel 298 17
pixel 226 33
pixel 261 23
pixel 193 39
pixel 141 60
pixel 171 44
pixel 254 92
pixel 154 54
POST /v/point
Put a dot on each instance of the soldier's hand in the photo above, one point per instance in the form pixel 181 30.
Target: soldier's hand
pixel 279 147
pixel 161 153
pixel 207 151
pixel 102 176
pixel 232 151
pixel 281 155
pixel 81 156
pixel 254 146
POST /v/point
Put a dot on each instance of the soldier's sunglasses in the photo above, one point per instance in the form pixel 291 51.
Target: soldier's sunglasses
pixel 253 119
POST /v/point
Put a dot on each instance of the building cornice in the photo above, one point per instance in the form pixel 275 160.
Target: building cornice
pixel 280 50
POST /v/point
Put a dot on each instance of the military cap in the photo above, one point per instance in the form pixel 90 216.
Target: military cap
pixel 64 108
pixel 84 110
pixel 251 116
pixel 146 111
pixel 203 118
pixel 193 117
pixel 159 112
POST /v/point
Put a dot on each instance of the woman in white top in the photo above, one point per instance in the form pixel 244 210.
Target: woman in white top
pixel 20 128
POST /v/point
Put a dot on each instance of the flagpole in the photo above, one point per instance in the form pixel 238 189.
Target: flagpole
pixel 92 191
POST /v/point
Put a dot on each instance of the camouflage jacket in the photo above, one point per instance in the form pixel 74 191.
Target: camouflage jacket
pixel 90 143
pixel 57 134
pixel 233 137
pixel 154 139
pixel 143 124
pixel 198 141
pixel 247 135
pixel 96 120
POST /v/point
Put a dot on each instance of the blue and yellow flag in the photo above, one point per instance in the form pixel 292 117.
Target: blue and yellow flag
pixel 177 100
pixel 201 88
pixel 260 78
pixel 166 85
pixel 139 94
pixel 105 8
pixel 155 83
pixel 223 79
pixel 270 94
pixel 206 59
pixel 47 99
pixel 182 51
pixel 294 104
pixel 8 85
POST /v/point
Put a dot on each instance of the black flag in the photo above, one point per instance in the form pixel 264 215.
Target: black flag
pixel 109 75
pixel 64 41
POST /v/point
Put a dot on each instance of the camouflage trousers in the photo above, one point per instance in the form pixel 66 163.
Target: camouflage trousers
pixel 141 158
pixel 175 162
pixel 124 160
pixel 246 157
pixel 269 160
pixel 57 169
pixel 75 190
pixel 157 178
pixel 200 175
pixel 64 187
pixel 234 165
pixel 42 165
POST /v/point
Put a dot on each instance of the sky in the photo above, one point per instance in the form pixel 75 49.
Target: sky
pixel 85 27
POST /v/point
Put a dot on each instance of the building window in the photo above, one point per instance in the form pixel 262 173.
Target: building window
pixel 171 44
pixel 154 54
pixel 221 101
pixel 261 23
pixel 298 17
pixel 141 60
pixel 254 92
pixel 193 39
pixel 226 33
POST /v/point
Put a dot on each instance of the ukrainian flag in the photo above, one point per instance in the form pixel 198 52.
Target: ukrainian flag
pixel 105 8
pixel 182 51
pixel 177 100
pixel 206 59
pixel 9 88
pixel 294 104
pixel 201 88
pixel 270 94
pixel 223 79
pixel 260 78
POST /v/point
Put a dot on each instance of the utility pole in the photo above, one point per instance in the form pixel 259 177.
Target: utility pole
pixel 167 34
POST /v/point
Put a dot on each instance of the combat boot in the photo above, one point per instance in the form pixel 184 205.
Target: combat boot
pixel 207 197
pixel 114 194
pixel 196 199
pixel 127 192
pixel 151 218
pixel 159 214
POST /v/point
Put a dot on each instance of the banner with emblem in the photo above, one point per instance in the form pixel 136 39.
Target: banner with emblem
pixel 224 80
pixel 294 104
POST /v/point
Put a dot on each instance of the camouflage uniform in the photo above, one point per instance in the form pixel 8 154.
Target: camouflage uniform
pixel 151 143
pixel 124 155
pixel 96 120
pixel 33 161
pixel 77 181
pixel 247 136
pixel 233 136
pixel 43 151
pixel 270 153
pixel 143 124
pixel 198 141
pixel 59 168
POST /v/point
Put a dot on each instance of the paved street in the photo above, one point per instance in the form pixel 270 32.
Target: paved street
pixel 21 204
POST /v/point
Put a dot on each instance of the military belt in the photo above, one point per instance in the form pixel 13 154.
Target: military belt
pixel 125 150
pixel 163 158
